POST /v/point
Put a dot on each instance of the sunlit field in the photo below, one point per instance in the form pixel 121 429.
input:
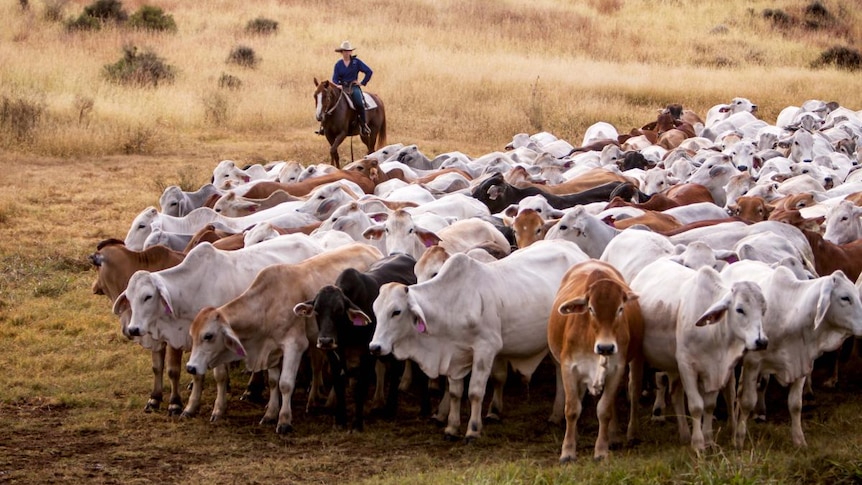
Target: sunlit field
pixel 82 156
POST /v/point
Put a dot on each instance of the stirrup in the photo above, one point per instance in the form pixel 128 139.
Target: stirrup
pixel 319 131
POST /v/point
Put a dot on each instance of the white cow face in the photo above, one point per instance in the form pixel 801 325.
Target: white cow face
pixel 403 235
pixel 743 307
pixel 842 223
pixel 323 201
pixel 399 318
pixel 173 202
pixel 141 228
pixel 839 304
pixel 258 234
pixel 213 342
pixel 148 300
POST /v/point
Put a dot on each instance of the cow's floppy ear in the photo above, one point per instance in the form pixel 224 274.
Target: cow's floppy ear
pixel 575 305
pixel 427 237
pixel 232 341
pixel 714 313
pixel 824 300
pixel 374 232
pixel 305 309
pixel 630 296
pixel 121 305
pixel 163 292
pixel 511 211
pixel 357 317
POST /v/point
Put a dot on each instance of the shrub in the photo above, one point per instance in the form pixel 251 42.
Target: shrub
pixel 54 10
pixel 19 118
pixel 83 22
pixel 841 57
pixel 152 18
pixel 778 17
pixel 106 10
pixel 261 26
pixel 216 109
pixel 143 70
pixel 243 56
pixel 229 82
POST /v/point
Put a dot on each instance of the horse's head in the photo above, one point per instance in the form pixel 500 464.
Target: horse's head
pixel 325 96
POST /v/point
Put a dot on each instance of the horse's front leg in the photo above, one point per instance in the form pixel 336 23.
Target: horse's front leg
pixel 333 148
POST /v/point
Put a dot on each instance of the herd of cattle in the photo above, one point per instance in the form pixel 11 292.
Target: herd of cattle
pixel 719 252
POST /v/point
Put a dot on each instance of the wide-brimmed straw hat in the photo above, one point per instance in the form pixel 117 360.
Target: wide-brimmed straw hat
pixel 345 46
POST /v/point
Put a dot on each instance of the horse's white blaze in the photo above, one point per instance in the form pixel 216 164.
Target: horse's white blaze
pixel 318 113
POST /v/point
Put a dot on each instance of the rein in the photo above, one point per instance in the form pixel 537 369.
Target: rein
pixel 335 104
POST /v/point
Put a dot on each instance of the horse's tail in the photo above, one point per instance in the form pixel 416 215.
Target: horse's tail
pixel 381 134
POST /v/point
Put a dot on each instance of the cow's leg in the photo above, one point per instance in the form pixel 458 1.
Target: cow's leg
pixel 557 413
pixel 677 396
pixel 339 378
pixel 254 389
pixel 155 401
pixel 444 406
pixel 367 364
pixel 271 414
pixel 760 407
pixel 747 400
pixel 456 390
pixel 476 393
pixel 660 403
pixel 574 395
pixel 794 405
pixel 695 407
pixel 406 377
pixel 394 369
pixel 289 367
pixel 499 374
pixel 606 412
pixel 317 359
pixel 173 360
pixel 195 397
pixel 379 400
pixel 221 378
pixel 636 374
pixel 729 393
pixel 709 401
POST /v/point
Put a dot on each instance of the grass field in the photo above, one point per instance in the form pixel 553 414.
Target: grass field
pixel 82 157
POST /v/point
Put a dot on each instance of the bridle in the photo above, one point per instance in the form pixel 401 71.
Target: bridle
pixel 327 98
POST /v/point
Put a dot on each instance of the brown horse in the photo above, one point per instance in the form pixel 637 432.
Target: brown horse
pixel 340 120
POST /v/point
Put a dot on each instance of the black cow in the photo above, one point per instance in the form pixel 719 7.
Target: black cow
pixel 343 312
pixel 498 194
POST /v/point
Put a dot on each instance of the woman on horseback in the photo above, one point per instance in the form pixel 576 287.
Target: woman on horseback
pixel 346 75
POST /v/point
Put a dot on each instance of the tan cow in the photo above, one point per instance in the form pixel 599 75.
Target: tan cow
pixel 261 327
pixel 115 264
pixel 594 331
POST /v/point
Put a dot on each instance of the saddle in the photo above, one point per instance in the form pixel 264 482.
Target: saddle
pixel 369 101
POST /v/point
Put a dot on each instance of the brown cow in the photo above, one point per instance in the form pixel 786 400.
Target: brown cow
pixel 657 221
pixel 592 178
pixel 262 190
pixel 752 209
pixel 594 331
pixel 115 264
pixel 529 227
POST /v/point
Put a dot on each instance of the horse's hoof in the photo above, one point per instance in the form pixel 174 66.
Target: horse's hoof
pixel 284 429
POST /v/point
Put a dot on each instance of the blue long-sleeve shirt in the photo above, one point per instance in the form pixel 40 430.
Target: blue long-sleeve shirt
pixel 347 74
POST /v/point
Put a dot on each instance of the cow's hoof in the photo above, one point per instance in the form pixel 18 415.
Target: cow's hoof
pixel 760 418
pixel 268 421
pixel 493 417
pixel 451 437
pixel 185 415
pixel 253 398
pixel 152 406
pixel 600 458
pixel 567 459
pixel 284 429
pixel 469 440
pixel 214 418
pixel 174 410
pixel 633 442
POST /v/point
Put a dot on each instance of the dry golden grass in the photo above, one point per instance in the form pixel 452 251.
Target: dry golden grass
pixel 455 75
pixel 450 70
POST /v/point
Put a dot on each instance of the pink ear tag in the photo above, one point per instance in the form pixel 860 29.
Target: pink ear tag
pixel 167 309
pixel 358 321
pixel 420 325
pixel 240 352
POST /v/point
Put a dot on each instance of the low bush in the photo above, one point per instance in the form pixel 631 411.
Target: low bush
pixel 841 57
pixel 19 118
pixel 152 18
pixel 243 56
pixel 228 81
pixel 261 26
pixel 144 70
pixel 106 10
